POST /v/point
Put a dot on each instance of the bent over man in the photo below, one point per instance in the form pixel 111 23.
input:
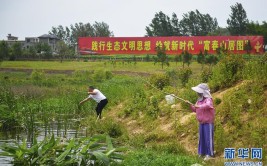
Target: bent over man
pixel 96 95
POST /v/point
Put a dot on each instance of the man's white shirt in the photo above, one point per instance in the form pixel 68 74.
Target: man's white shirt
pixel 98 96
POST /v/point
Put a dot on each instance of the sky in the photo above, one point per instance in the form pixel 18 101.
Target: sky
pixel 126 18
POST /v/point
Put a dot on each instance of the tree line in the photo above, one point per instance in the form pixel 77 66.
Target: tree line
pixel 193 23
pixel 70 34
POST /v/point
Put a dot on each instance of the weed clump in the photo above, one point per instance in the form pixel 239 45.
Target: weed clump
pixel 160 80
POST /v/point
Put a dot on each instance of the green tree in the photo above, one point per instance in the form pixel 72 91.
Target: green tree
pixel 264 32
pixel 4 50
pixel 101 29
pixel 220 31
pixel 248 47
pixel 46 50
pixel 147 58
pixel 162 25
pixel 161 56
pixel 201 58
pixel 221 50
pixel 62 50
pixel 184 75
pixel 175 25
pixel 38 48
pixel 206 74
pixel 134 60
pixel 80 30
pixel 84 30
pixel 32 52
pixel 62 33
pixel 237 23
pixel 70 34
pixel 25 53
pixel 177 59
pixel 16 51
pixel 211 59
pixel 187 57
pixel 197 24
pixel 254 28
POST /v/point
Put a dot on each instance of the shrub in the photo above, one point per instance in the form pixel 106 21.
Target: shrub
pixel 109 75
pixel 147 58
pixel 255 70
pixel 211 59
pixel 186 57
pixel 81 75
pixel 227 72
pixel 37 75
pixel 206 74
pixel 263 59
pixel 217 101
pixel 201 58
pixel 162 56
pixel 184 75
pixel 153 109
pixel 137 103
pixel 101 75
pixel 107 126
pixel 39 78
pixel 173 75
pixel 177 58
pixel 113 129
pixel 160 80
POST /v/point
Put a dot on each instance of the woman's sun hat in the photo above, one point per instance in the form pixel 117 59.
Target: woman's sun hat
pixel 203 89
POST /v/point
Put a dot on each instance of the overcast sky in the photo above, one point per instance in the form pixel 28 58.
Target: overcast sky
pixel 128 18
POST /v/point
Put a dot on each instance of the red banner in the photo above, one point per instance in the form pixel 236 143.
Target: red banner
pixel 173 45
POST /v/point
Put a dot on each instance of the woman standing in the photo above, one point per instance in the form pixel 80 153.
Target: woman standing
pixel 205 114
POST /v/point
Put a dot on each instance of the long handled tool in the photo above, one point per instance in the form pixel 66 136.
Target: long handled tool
pixel 166 92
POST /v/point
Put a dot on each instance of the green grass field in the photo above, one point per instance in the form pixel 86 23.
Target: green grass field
pixel 140 67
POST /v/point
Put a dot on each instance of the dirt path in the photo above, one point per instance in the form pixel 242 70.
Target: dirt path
pixel 69 72
pixel 10 70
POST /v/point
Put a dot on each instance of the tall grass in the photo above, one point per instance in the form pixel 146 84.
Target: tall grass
pixel 148 157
